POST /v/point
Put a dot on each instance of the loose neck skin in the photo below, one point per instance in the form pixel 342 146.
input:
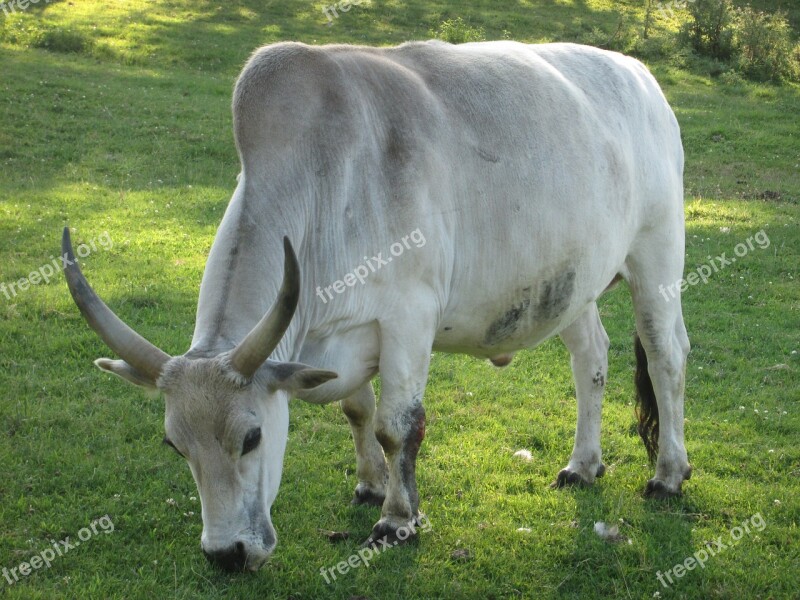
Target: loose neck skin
pixel 242 277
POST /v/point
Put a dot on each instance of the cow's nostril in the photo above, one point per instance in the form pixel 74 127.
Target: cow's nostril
pixel 229 559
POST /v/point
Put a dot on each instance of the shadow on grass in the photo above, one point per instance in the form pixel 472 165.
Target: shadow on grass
pixel 660 534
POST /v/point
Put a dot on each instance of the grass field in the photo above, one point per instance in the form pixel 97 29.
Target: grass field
pixel 115 119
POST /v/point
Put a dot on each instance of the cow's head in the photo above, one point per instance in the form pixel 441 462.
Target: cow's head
pixel 226 414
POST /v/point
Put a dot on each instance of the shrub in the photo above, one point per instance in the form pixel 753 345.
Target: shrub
pixel 456 31
pixel 757 44
pixel 764 45
pixel 655 47
pixel 731 78
pixel 63 40
pixel 623 39
pixel 710 29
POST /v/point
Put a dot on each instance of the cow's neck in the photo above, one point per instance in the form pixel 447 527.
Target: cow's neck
pixel 242 277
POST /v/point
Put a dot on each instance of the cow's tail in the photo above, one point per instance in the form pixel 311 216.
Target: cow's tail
pixel 646 407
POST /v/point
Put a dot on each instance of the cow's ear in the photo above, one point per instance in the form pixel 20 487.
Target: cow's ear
pixel 122 369
pixel 295 377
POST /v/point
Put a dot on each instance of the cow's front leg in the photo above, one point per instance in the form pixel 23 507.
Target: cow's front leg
pixel 400 428
pixel 587 343
pixel 370 462
pixel 401 436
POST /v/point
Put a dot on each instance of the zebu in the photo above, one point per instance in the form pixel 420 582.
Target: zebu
pixel 538 176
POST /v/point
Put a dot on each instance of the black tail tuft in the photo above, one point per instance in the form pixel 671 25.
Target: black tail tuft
pixel 646 406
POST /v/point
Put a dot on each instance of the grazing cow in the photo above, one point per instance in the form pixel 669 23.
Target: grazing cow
pixel 528 177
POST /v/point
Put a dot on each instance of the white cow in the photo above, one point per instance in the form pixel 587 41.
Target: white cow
pixel 529 178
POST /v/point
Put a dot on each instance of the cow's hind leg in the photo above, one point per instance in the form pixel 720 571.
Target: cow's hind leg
pixel 370 462
pixel 654 268
pixel 587 343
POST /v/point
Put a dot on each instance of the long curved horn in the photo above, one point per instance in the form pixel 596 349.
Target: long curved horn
pixel 254 349
pixel 124 341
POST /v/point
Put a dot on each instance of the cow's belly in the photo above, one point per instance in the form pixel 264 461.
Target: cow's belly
pixel 492 334
pixel 503 319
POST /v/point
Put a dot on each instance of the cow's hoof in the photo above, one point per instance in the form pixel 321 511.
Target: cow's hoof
pixel 364 496
pixel 386 535
pixel 567 477
pixel 658 490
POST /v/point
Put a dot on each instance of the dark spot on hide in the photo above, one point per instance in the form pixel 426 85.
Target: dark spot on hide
pixel 398 150
pixel 408 461
pixel 555 297
pixel 599 379
pixel 507 324
pixel 354 414
pixel 650 333
pixel 487 156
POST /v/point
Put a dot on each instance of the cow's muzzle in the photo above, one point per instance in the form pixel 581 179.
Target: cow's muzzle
pixel 236 558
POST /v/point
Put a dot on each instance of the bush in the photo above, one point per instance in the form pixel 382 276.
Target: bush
pixel 456 31
pixel 64 40
pixel 731 79
pixel 623 39
pixel 655 47
pixel 757 44
pixel 710 30
pixel 764 46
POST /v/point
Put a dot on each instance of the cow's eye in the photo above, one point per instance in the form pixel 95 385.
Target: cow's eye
pixel 169 443
pixel 251 440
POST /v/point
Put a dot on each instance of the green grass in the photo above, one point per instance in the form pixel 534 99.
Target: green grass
pixel 115 118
